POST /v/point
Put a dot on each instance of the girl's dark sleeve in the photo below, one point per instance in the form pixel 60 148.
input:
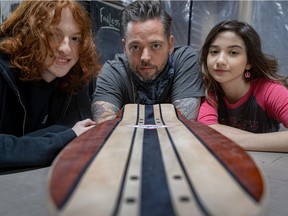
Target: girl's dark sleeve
pixel 38 148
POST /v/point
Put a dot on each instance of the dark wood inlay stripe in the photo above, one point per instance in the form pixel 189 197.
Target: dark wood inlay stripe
pixel 155 195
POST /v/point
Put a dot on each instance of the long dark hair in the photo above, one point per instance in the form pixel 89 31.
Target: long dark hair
pixel 262 65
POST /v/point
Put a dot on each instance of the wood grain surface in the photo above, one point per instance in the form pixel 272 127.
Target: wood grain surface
pixel 150 161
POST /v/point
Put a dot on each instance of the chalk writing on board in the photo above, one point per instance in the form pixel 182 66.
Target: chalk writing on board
pixel 106 18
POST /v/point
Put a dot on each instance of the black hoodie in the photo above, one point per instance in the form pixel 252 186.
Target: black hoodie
pixel 34 138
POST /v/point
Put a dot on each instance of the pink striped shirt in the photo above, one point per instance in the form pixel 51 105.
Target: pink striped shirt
pixel 261 110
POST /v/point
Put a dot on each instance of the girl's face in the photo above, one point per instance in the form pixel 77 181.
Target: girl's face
pixel 227 59
pixel 65 43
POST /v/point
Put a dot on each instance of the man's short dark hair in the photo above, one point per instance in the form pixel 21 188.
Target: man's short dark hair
pixel 141 11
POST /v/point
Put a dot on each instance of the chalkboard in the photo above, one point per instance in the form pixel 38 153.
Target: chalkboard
pixel 106 19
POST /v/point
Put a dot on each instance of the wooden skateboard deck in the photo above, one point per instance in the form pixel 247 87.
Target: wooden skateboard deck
pixel 150 161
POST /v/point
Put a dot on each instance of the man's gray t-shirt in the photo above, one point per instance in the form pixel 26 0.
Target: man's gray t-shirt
pixel 116 83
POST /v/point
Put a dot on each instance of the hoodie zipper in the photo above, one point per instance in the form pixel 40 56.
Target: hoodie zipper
pixel 25 113
pixel 67 105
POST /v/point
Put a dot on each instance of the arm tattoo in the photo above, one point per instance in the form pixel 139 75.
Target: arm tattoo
pixel 103 111
pixel 188 107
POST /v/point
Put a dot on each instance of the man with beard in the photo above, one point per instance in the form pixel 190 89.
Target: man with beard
pixel 152 70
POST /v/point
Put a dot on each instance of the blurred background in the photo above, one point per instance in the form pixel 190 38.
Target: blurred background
pixel 192 20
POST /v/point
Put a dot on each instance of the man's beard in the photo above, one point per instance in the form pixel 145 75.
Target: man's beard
pixel 157 72
pixel 143 79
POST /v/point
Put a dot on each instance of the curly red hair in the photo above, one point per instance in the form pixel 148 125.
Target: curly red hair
pixel 30 25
